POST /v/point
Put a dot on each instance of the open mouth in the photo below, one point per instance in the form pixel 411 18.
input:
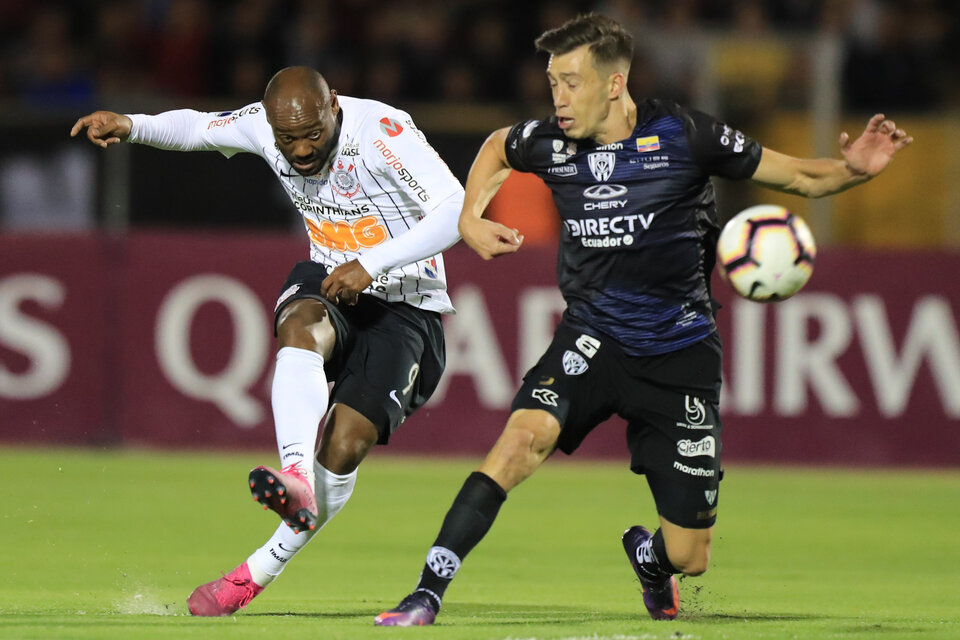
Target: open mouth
pixel 564 123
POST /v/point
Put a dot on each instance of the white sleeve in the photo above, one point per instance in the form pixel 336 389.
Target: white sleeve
pixel 433 234
pixel 405 159
pixel 188 130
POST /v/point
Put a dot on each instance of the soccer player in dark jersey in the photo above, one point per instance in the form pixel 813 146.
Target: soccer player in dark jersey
pixel 638 337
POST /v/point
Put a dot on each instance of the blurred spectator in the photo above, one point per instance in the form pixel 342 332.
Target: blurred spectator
pixel 48 68
pixel 64 53
pixel 181 48
pixel 896 56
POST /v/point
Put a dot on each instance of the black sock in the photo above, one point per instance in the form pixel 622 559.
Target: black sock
pixel 660 553
pixel 468 520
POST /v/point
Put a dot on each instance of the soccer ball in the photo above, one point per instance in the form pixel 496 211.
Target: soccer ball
pixel 766 253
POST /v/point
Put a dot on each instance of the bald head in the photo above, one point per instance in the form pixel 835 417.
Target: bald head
pixel 302 110
pixel 298 87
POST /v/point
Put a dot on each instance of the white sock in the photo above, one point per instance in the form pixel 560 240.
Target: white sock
pixel 299 397
pixel 333 491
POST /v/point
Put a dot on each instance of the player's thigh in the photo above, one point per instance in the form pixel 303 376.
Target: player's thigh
pixel 572 382
pixel 304 319
pixel 680 457
pixel 393 364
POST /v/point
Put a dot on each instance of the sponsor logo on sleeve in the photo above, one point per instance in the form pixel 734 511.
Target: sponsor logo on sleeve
pixel 650 143
pixel 732 138
pixel 225 118
pixel 528 128
pixel 390 127
pixel 394 162
pixel 350 150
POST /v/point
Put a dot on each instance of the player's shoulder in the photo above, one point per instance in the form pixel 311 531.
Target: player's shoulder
pixel 532 129
pixel 372 117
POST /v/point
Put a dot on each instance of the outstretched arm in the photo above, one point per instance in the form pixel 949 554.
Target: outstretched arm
pixel 490 169
pixel 863 159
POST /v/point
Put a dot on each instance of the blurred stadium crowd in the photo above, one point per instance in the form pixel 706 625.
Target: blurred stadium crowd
pixel 900 55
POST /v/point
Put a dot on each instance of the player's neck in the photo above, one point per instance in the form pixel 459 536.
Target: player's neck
pixel 620 123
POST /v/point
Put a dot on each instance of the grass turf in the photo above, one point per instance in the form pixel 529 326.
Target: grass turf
pixel 109 544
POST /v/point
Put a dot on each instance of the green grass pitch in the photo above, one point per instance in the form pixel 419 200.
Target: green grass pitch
pixel 108 544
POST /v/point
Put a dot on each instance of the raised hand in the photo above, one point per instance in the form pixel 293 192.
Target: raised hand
pixel 103 128
pixel 874 149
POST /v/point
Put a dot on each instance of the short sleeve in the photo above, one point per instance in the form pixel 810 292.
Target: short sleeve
pixel 719 149
pixel 519 145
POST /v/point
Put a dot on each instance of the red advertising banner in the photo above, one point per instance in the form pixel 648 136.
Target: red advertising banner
pixel 166 340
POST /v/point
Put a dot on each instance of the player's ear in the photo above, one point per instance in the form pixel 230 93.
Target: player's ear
pixel 617 84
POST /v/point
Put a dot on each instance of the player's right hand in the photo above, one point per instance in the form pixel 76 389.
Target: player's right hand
pixel 488 238
pixel 104 127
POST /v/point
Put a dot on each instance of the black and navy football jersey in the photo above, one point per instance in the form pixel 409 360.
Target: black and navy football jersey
pixel 639 221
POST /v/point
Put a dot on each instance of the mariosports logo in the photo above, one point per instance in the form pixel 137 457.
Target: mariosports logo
pixel 390 127
pixel 395 163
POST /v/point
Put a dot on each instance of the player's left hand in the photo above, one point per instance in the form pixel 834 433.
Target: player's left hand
pixel 870 154
pixel 345 283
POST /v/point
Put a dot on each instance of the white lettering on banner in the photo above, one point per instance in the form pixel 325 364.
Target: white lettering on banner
pixel 540 308
pixel 44 346
pixel 228 388
pixel 473 350
pixel 749 329
pixel 931 335
pixel 804 362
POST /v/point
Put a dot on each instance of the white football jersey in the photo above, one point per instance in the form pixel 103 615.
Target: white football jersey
pixel 382 179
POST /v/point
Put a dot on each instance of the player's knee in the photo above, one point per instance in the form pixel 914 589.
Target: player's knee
pixel 530 438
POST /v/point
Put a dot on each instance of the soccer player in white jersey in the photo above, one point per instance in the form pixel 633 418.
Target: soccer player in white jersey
pixel 379 207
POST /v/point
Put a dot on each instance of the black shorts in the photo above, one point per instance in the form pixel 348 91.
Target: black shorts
pixel 388 356
pixel 669 402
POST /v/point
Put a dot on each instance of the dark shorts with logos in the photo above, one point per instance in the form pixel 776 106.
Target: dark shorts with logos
pixel 388 357
pixel 670 403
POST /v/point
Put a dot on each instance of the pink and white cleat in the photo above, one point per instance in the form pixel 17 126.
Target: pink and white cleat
pixel 225 595
pixel 288 493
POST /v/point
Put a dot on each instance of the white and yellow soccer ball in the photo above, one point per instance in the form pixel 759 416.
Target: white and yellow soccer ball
pixel 766 253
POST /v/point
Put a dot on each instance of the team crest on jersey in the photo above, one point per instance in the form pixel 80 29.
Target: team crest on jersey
pixel 601 164
pixel 573 363
pixel 343 181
